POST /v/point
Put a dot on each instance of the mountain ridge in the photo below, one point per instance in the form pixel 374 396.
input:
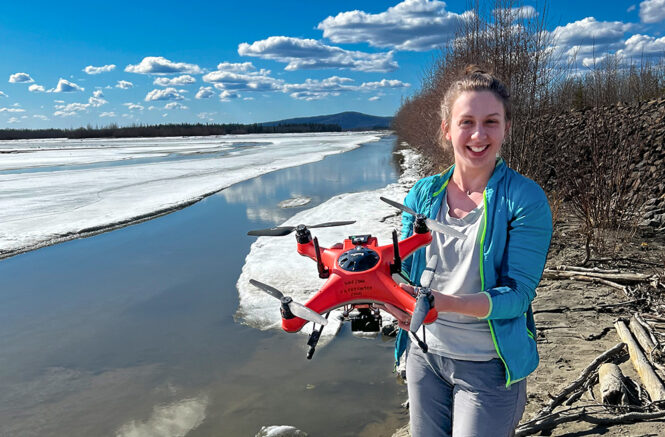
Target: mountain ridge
pixel 347 120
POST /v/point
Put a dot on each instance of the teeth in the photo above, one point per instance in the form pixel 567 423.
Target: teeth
pixel 478 148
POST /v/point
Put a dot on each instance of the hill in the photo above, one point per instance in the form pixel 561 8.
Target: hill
pixel 346 120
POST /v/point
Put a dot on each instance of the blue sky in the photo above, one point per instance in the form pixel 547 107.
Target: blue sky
pixel 77 63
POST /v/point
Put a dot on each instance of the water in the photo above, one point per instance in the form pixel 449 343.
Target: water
pixel 133 331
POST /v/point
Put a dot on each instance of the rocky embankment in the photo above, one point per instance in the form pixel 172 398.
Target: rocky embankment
pixel 632 135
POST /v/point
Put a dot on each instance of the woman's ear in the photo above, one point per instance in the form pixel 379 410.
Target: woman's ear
pixel 445 130
pixel 507 128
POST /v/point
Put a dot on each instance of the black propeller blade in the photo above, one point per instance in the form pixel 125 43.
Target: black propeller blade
pixel 424 299
pixel 431 224
pixel 298 310
pixel 280 231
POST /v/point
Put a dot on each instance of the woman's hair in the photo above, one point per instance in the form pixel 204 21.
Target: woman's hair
pixel 475 79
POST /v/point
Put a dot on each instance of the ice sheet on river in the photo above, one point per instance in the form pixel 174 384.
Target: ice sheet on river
pixel 274 260
pixel 56 190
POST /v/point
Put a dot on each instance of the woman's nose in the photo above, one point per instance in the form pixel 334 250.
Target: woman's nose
pixel 479 132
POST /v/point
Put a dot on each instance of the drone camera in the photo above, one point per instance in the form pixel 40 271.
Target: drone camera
pixel 420 226
pixel 365 320
pixel 359 239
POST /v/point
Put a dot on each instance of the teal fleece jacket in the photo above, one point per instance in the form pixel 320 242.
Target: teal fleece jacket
pixel 515 239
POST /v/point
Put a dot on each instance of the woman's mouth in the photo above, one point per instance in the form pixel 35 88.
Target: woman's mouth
pixel 477 150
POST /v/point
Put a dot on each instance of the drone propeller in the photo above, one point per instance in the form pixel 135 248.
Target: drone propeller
pixel 280 231
pixel 424 299
pixel 298 310
pixel 431 224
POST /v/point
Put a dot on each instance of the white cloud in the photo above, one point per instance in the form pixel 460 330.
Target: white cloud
pixel 96 101
pixel 588 38
pixel 165 94
pixel 205 92
pixel 414 25
pixel 107 114
pixel 253 81
pixel 13 120
pixel 36 88
pixel 20 78
pixel 2 94
pixel 208 116
pixel 304 54
pixel 73 107
pixel 652 11
pixel 160 65
pixel 180 80
pixel 98 93
pixel 65 86
pixel 175 105
pixel 236 67
pixel 65 114
pixel 631 8
pixel 521 13
pixel 15 110
pixel 96 70
pixel 40 116
pixel 385 83
pixel 123 84
pixel 132 106
pixel 227 96
pixel 374 98
pixel 639 45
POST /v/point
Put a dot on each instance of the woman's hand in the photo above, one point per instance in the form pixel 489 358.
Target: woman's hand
pixel 403 318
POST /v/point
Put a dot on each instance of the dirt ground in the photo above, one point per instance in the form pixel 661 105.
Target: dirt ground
pixel 566 313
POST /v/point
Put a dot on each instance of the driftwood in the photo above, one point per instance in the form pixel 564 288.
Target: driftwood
pixel 638 318
pixel 651 381
pixel 552 420
pixel 644 339
pixel 612 389
pixel 630 278
pixel 558 310
pixel 559 398
pixel 586 269
pixel 584 278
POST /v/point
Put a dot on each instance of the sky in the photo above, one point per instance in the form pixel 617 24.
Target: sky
pixel 73 64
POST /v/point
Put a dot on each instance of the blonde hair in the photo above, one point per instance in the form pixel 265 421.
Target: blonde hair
pixel 475 79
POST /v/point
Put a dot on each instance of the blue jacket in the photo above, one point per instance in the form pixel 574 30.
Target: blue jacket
pixel 515 239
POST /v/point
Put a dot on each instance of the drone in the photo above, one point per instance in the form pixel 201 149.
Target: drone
pixel 359 278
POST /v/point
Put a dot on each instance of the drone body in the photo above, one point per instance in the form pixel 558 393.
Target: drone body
pixel 359 272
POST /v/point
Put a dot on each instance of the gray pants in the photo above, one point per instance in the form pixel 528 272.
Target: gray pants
pixel 449 397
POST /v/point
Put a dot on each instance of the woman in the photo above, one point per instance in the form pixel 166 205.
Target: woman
pixel 482 346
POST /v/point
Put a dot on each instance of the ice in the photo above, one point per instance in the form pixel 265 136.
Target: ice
pixel 113 189
pixel 295 202
pixel 274 260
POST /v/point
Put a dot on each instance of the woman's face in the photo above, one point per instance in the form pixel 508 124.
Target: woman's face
pixel 476 131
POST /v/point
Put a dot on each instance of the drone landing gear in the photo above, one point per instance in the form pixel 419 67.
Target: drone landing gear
pixel 314 339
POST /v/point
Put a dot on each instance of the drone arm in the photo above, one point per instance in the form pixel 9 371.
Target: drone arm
pixel 413 243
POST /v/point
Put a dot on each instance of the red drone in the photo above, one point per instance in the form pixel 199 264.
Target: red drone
pixel 359 275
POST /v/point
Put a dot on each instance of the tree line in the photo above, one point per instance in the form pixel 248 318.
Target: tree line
pixel 165 130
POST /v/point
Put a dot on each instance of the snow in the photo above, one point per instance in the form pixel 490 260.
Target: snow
pixel 111 184
pixel 274 260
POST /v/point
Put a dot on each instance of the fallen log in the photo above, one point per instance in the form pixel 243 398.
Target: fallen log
pixel 649 378
pixel 585 278
pixel 563 394
pixel 643 338
pixel 630 278
pixel 612 388
pixel 585 269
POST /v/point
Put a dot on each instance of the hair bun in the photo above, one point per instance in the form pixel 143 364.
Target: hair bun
pixel 473 69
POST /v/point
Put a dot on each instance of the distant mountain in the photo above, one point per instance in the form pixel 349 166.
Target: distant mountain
pixel 347 120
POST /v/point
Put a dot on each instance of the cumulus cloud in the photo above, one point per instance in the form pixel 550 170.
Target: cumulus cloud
pixel 123 84
pixel 642 45
pixel 414 25
pixel 132 106
pixel 2 94
pixel 251 81
pixel 301 54
pixel 70 109
pixel 96 101
pixel 96 70
pixel 40 116
pixel 227 95
pixel 13 110
pixel 160 65
pixel 98 93
pixel 36 88
pixel 165 94
pixel 208 116
pixel 180 80
pixel 374 98
pixel 205 92
pixel 20 78
pixel 13 120
pixel 175 105
pixel 588 36
pixel 65 86
pixel 314 89
pixel 521 13
pixel 243 67
pixel 107 114
pixel 385 83
pixel 652 11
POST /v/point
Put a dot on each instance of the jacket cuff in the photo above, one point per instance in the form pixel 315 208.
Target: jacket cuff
pixel 489 298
